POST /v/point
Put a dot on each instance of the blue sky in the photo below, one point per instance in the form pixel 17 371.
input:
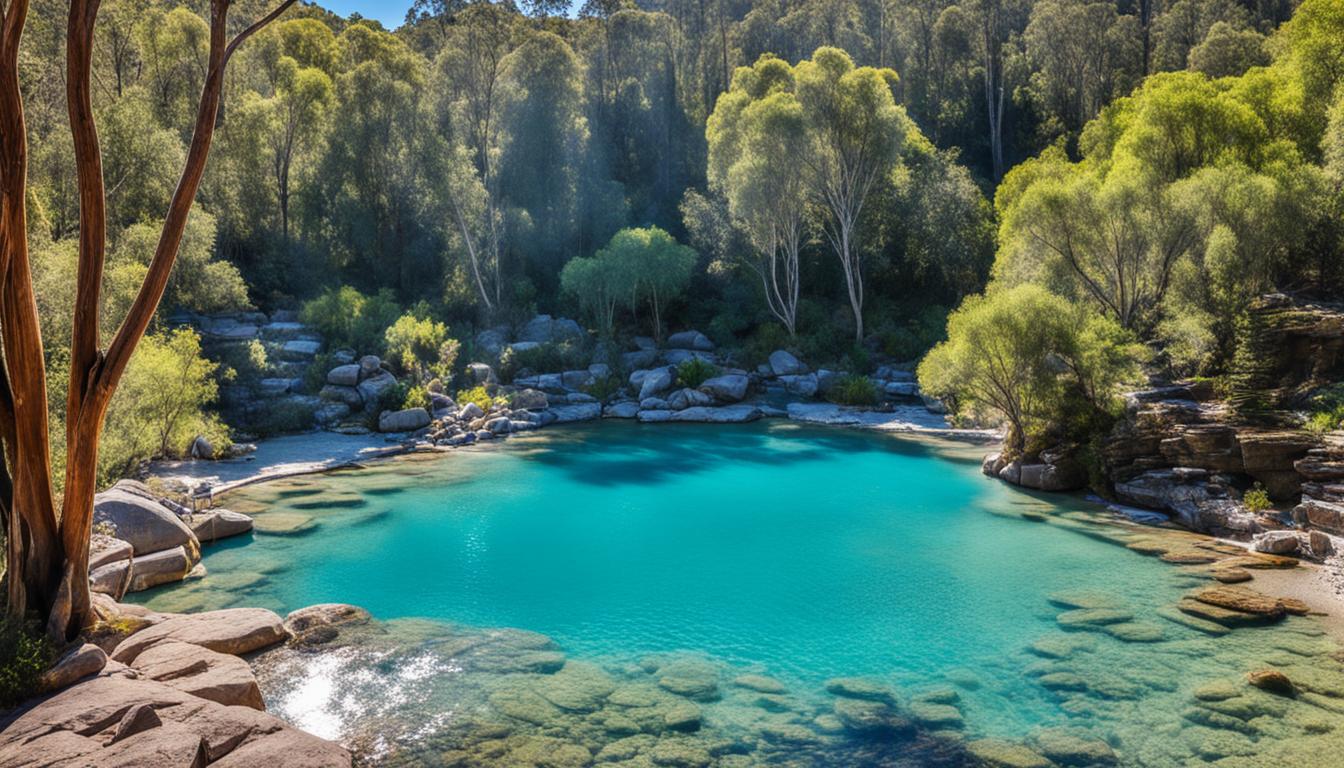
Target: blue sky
pixel 390 12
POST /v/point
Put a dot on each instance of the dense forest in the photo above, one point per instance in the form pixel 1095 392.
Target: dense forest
pixel 832 176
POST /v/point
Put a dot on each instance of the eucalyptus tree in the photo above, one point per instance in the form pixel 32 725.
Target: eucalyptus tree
pixel 756 136
pixel 47 558
pixel 854 133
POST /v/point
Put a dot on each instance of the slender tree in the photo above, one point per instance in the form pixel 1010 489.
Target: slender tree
pixel 48 561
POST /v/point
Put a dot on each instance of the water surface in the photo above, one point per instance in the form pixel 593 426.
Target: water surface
pixel 799 553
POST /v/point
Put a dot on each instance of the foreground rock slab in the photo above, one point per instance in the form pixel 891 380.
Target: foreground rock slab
pixel 234 631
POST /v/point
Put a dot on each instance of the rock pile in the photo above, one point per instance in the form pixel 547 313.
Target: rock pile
pixel 174 693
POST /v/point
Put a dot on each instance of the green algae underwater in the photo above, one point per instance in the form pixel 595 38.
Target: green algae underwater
pixel 630 595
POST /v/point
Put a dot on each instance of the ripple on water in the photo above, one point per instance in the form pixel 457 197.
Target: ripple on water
pixel 976 623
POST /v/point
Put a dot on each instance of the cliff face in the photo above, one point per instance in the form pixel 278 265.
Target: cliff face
pixel 1186 451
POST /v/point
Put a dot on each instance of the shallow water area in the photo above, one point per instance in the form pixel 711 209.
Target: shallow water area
pixel 688 595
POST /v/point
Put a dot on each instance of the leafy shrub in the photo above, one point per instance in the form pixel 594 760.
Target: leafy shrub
pixel 477 395
pixel 163 402
pixel 347 318
pixel 416 397
pixel 1256 499
pixel 315 375
pixel 243 363
pixel 546 358
pixel 420 345
pixel 25 653
pixel 1326 410
pixel 852 389
pixel 604 388
pixel 692 373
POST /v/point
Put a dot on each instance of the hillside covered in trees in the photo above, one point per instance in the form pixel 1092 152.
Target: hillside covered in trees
pixel 830 176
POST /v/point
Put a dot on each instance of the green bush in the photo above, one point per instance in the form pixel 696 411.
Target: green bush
pixel 605 387
pixel 285 417
pixel 347 318
pixel 477 395
pixel 25 653
pixel 546 358
pixel 420 345
pixel 416 397
pixel 1256 499
pixel 1326 410
pixel 853 389
pixel 692 373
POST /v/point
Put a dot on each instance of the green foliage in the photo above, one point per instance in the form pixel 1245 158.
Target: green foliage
pixel 478 395
pixel 420 346
pixel 1256 500
pixel 1325 412
pixel 1033 359
pixel 552 357
pixel 605 387
pixel 692 373
pixel 854 389
pixel 25 653
pixel 285 417
pixel 416 397
pixel 162 403
pixel 347 318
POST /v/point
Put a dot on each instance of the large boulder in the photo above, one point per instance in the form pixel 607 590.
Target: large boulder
pixel 232 630
pixel 480 373
pixel 343 395
pixel 543 329
pixel 344 375
pixel 640 358
pixel 199 671
pixel 690 340
pixel 214 524
pixel 802 385
pixel 148 525
pixel 688 398
pixel 75 664
pixel 492 341
pixel 162 567
pixel 529 400
pixel 371 390
pixel 112 578
pixel 321 623
pixel 626 409
pixel 728 388
pixel 106 549
pixel 654 382
pixel 407 420
pixel 782 363
pixel 580 412
pixel 369 365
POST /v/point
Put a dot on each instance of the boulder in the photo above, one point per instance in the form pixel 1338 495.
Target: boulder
pixel 344 375
pixel 802 385
pixel 232 630
pixel 112 578
pixel 728 388
pixel 201 448
pixel 654 404
pixel 216 524
pixel 162 567
pixel 321 623
pixel 543 329
pixel 470 412
pixel 299 349
pixel 407 420
pixel 75 664
pixel 655 381
pixel 369 365
pixel 106 549
pixel 690 340
pixel 626 409
pixel 688 398
pixel 492 341
pixel 330 413
pixel 529 400
pixel 1328 516
pixel 347 396
pixel 146 524
pixel 372 388
pixel 126 711
pixel 1273 681
pixel 480 373
pixel 201 672
pixel 783 363
pixel 638 359
pixel 1276 542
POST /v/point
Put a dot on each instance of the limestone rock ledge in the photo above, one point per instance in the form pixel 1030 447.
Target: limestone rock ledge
pixel 172 695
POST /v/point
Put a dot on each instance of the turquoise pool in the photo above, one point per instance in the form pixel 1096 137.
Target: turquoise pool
pixel 801 554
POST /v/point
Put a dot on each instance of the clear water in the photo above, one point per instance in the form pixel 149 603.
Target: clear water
pixel 801 553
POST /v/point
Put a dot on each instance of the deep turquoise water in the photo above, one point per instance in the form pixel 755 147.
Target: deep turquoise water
pixel 803 553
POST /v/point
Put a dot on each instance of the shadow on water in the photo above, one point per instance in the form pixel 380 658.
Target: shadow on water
pixel 653 454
